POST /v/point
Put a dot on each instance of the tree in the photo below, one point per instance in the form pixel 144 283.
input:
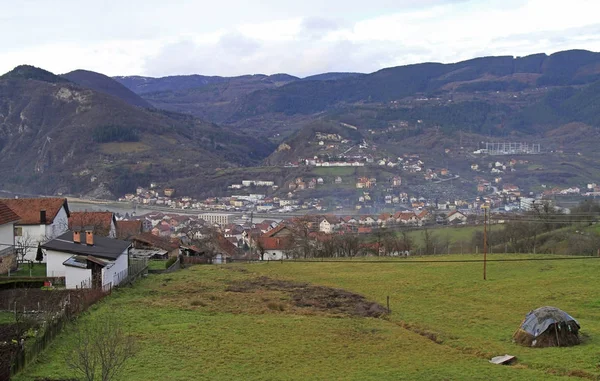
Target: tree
pixel 24 243
pixel 40 254
pixel 101 349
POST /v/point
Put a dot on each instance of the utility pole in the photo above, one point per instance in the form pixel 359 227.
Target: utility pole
pixel 484 242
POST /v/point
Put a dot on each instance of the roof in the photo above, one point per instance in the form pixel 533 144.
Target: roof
pixel 107 248
pixel 28 209
pixel 127 229
pixel 81 261
pixel 274 243
pixel 101 221
pixel 7 215
pixel 331 219
pixel 273 232
pixel 155 241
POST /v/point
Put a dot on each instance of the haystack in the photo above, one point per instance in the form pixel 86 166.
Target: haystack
pixel 548 327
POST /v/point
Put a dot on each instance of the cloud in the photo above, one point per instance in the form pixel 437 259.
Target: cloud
pixel 302 38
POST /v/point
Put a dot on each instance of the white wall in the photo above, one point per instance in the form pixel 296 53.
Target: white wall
pixel 108 274
pixel 54 262
pixel 113 230
pixel 77 278
pixel 59 225
pixel 7 237
pixel 43 233
pixel 273 255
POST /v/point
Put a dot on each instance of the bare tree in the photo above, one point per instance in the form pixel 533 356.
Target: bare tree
pixel 350 245
pixel 23 245
pixel 101 349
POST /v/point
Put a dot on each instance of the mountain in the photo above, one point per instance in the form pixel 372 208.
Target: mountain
pixel 104 84
pixel 331 76
pixel 576 67
pixel 210 98
pixel 57 137
pixel 178 83
pixel 32 72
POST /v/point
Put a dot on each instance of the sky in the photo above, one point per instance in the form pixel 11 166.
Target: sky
pixel 234 37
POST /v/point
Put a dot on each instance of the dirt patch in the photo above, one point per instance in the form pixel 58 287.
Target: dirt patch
pixel 319 298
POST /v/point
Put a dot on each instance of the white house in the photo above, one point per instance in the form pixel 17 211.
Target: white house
pixel 456 217
pixel 7 238
pixel 327 224
pixel 275 243
pixel 86 260
pixel 40 220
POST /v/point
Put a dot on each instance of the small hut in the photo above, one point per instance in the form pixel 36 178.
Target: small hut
pixel 548 327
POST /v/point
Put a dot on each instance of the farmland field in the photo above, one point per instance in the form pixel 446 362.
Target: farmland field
pixel 218 323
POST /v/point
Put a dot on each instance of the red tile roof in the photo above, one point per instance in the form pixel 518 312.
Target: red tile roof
pixel 7 215
pixel 126 229
pixel 28 209
pixel 274 243
pixel 99 220
pixel 155 241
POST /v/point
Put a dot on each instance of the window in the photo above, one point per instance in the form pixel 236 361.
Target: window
pixel 18 231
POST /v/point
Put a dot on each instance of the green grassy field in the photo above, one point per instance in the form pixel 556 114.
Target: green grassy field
pixel 333 171
pixel 446 322
pixel 453 234
pixel 38 269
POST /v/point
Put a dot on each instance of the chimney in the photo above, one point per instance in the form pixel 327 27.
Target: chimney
pixel 43 216
pixel 89 237
pixel 76 234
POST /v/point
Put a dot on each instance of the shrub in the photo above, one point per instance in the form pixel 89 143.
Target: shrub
pixel 170 262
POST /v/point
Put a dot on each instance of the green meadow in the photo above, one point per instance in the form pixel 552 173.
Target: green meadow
pixel 445 322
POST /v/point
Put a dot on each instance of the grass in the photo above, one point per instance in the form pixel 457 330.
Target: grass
pixel 7 317
pixel 446 322
pixel 454 234
pixel 333 171
pixel 156 264
pixel 38 270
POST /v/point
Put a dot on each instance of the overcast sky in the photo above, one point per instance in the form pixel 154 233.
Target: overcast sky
pixel 300 37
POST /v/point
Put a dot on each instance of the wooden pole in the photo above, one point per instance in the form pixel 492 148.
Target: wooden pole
pixel 484 243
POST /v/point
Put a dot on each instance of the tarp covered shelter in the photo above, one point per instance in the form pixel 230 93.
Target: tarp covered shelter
pixel 548 327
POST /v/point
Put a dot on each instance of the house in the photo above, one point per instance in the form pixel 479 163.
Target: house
pixel 349 220
pixel 104 223
pixel 328 223
pixel 273 244
pixel 8 257
pixel 127 229
pixel 367 220
pixel 86 260
pixel 383 218
pixel 162 230
pixel 40 220
pixel 455 217
pixel 149 241
pixel 405 217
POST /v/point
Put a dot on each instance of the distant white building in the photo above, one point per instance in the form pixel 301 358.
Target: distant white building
pixel 217 218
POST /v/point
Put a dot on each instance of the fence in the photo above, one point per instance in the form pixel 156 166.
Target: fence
pixel 175 266
pixel 71 304
pixel 195 260
pixel 136 268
